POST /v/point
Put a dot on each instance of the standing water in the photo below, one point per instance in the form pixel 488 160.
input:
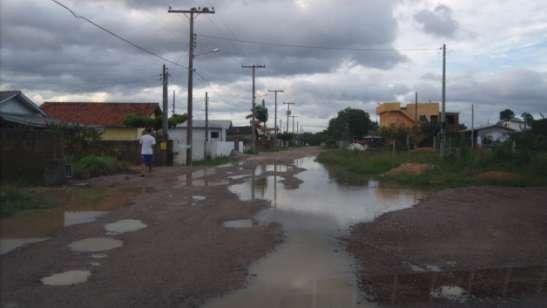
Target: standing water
pixel 310 268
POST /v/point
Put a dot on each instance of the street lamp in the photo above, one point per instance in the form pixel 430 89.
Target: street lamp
pixel 215 50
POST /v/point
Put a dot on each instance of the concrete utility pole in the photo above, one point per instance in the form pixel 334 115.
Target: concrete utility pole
pixel 193 11
pixel 288 113
pixel 275 91
pixel 416 110
pixel 293 116
pixel 472 126
pixel 165 116
pixel 173 112
pixel 443 110
pixel 253 110
pixel 206 124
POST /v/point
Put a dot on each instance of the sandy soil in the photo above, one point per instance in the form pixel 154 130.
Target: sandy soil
pixel 183 257
pixel 490 242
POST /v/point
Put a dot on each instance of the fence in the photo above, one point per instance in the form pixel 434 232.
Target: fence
pixel 32 155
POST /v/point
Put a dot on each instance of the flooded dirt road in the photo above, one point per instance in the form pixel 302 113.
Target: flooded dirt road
pixel 270 230
pixel 310 268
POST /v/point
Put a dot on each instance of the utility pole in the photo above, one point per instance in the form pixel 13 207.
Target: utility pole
pixel 164 118
pixel 253 68
pixel 173 113
pixel 275 91
pixel 206 124
pixel 416 110
pixel 288 113
pixel 443 110
pixel 472 126
pixel 193 11
pixel 293 116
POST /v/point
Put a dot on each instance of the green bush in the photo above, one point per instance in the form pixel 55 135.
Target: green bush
pixel 92 165
pixel 14 199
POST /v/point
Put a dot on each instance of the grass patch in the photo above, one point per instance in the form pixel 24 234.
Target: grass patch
pixel 464 169
pixel 93 165
pixel 14 199
pixel 215 162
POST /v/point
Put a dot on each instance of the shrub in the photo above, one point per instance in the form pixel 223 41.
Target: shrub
pixel 14 199
pixel 92 165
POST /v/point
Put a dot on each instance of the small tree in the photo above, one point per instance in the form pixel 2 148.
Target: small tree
pixel 507 115
pixel 349 123
pixel 176 119
pixel 527 118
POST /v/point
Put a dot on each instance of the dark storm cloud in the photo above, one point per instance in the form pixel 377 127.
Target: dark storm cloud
pixel 52 50
pixel 438 21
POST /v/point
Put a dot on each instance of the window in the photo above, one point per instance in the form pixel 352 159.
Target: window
pixel 214 135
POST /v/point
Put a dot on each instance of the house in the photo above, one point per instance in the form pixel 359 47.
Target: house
pixel 109 116
pixel 393 114
pixel 17 110
pixel 240 133
pixel 490 135
pixel 514 124
pixel 217 145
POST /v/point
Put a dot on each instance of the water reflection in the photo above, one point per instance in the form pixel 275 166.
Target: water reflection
pixel 487 284
pixel 310 268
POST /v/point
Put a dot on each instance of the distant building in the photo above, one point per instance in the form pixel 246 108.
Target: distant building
pixel 109 116
pixel 393 114
pixel 514 124
pixel 218 146
pixel 491 135
pixel 17 110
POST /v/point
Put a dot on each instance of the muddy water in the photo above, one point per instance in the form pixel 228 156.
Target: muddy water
pixel 310 268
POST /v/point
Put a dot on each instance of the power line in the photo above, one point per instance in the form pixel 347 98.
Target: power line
pixel 116 35
pixel 209 36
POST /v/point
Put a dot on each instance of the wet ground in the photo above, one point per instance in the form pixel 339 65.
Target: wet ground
pixel 310 268
pixel 268 231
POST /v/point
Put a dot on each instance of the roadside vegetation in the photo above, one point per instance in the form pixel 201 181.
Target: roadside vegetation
pixel 497 167
pixel 93 165
pixel 215 162
pixel 15 199
pixel 519 161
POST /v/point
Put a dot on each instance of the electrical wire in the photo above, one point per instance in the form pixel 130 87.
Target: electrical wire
pixel 285 45
pixel 116 35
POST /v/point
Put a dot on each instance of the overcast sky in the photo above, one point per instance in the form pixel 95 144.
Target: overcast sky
pixel 496 55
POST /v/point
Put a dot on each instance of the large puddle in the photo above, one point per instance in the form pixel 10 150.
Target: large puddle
pixel 310 268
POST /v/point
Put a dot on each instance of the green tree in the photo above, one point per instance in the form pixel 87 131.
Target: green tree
pixel 261 114
pixel 349 123
pixel 507 114
pixel 528 118
pixel 176 119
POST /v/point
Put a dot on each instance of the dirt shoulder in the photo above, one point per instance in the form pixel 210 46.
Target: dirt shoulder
pixel 181 258
pixel 488 241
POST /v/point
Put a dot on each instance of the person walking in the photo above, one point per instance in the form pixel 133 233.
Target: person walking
pixel 147 142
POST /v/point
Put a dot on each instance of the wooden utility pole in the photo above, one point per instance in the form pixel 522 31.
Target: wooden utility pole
pixel 288 113
pixel 275 91
pixel 443 110
pixel 192 12
pixel 165 116
pixel 253 110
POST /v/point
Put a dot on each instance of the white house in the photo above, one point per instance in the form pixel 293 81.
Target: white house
pixel 217 145
pixel 489 135
pixel 515 124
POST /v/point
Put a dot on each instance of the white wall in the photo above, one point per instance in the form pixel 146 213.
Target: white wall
pixel 495 135
pixel 216 147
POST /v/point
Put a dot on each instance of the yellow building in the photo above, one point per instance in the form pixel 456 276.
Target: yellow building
pixel 392 114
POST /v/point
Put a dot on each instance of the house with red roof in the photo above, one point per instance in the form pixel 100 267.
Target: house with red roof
pixel 108 116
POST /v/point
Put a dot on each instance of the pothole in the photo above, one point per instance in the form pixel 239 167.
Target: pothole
pixel 453 293
pixel 95 244
pixel 123 226
pixel 198 198
pixel 66 278
pixel 99 256
pixel 239 223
